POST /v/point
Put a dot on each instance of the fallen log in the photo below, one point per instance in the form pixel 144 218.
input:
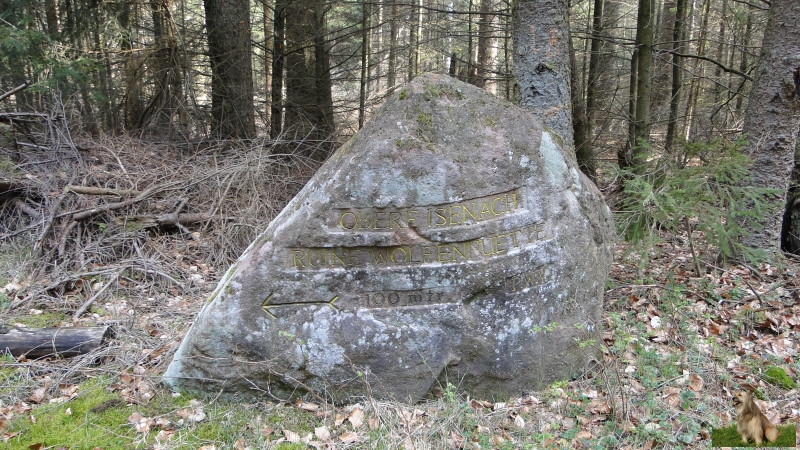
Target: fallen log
pixel 61 342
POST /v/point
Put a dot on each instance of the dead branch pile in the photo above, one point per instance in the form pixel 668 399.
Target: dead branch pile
pixel 133 217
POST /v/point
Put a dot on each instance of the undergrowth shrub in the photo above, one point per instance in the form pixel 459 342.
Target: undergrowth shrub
pixel 697 189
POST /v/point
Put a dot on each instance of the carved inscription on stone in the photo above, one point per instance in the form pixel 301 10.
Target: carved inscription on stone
pixel 453 214
pixel 274 307
pixel 480 249
pixel 471 212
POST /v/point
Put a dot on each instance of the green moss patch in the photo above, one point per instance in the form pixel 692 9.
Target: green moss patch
pixel 778 377
pixel 79 423
pixel 43 320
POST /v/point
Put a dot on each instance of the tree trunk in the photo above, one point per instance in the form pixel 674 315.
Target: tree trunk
pixel 744 62
pixel 677 73
pixel 791 219
pixel 583 151
pixel 486 47
pixel 51 16
pixel 229 37
pixel 625 154
pixel 580 126
pixel 309 104
pixel 278 56
pixel 362 93
pixel 772 123
pixel 268 23
pixel 541 60
pixel 413 38
pixel 694 86
pixel 376 61
pixel 162 113
pixel 644 67
pixel 392 70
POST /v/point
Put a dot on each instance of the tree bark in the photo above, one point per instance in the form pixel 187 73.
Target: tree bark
pixel 393 29
pixel 772 122
pixel 415 17
pixel 644 67
pixel 586 159
pixel 699 74
pixel 61 342
pixel 278 55
pixel 486 47
pixel 229 38
pixel 362 92
pixel 677 74
pixel 541 64
pixel 163 111
pixel 791 219
pixel 309 103
pixel 268 23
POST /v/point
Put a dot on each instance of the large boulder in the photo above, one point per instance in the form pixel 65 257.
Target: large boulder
pixel 451 241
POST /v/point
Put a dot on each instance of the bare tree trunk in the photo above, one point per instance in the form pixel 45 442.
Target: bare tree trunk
pixel 583 151
pixel 229 38
pixel 507 63
pixel 162 113
pixel 744 58
pixel 133 105
pixel 377 52
pixel 486 46
pixel 677 73
pixel 278 56
pixel 309 103
pixel 790 236
pixel 625 154
pixel 51 16
pixel 268 23
pixel 772 123
pixel 413 50
pixel 644 68
pixel 694 87
pixel 365 32
pixel 541 60
pixel 392 70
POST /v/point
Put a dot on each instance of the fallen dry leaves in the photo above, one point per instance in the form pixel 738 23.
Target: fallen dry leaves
pixel 711 334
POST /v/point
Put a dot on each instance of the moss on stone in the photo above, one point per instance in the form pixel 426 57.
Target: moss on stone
pixel 425 119
pixel 431 92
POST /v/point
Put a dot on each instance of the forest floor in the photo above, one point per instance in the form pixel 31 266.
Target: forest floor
pixel 681 334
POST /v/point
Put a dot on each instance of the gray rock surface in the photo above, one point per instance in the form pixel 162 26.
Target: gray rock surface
pixel 450 241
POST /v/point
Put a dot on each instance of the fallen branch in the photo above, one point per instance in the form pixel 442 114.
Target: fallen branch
pixel 89 302
pixel 62 342
pixel 83 215
pixel 93 190
pixel 14 91
pixel 10 184
pixel 168 219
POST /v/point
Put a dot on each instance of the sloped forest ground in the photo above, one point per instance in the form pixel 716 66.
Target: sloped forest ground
pixel 135 234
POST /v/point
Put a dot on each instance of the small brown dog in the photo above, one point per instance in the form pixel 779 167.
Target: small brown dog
pixel 751 423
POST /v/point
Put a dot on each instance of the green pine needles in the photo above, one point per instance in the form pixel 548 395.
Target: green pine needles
pixel 700 193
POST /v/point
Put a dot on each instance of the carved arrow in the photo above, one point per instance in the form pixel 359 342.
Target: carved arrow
pixel 266 305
